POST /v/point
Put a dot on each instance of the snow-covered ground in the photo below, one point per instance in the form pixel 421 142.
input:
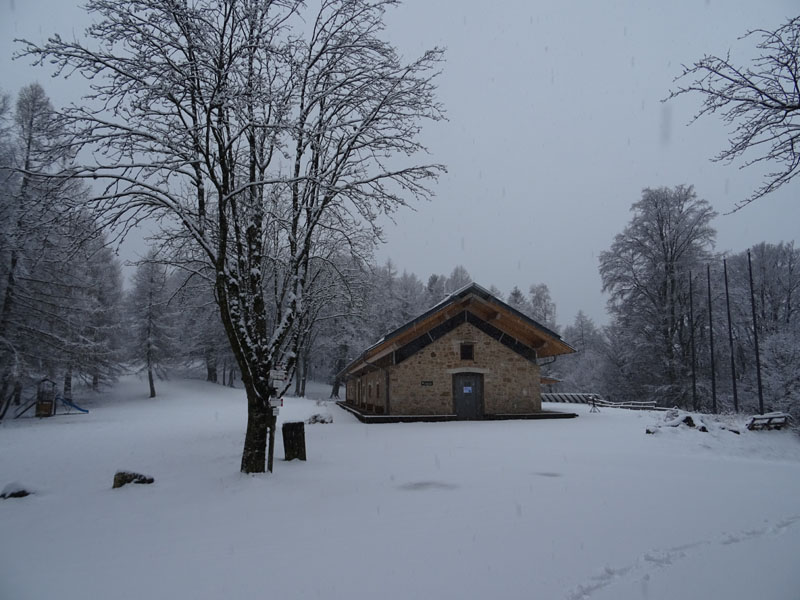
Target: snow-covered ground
pixel 565 509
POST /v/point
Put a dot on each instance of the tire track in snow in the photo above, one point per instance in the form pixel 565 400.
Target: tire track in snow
pixel 660 559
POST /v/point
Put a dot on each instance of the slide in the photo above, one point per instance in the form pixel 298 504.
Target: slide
pixel 71 404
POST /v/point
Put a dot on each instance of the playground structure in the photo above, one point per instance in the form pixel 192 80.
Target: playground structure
pixel 47 400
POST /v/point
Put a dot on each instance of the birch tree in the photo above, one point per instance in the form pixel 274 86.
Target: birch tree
pixel 245 121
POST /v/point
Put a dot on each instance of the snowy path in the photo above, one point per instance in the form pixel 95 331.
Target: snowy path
pixel 587 508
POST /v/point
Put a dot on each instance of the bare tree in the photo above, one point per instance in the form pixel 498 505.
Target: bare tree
pixel 583 371
pixel 459 277
pixel 646 273
pixel 243 123
pixel 151 320
pixel 761 103
pixel 496 292
pixel 776 274
pixel 542 306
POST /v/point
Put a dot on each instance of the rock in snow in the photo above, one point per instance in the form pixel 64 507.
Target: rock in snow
pixel 124 477
pixel 318 418
pixel 14 490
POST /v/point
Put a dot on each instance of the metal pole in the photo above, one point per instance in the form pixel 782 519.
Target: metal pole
pixel 730 338
pixel 755 336
pixel 711 342
pixel 694 361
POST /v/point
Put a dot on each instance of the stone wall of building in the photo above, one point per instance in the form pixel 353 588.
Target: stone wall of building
pixel 423 383
pixel 368 392
pixel 374 391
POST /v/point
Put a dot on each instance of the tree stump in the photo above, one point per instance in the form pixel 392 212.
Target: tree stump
pixel 294 440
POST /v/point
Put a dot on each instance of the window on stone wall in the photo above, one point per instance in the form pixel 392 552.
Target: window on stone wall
pixel 467 352
pixel 369 391
pixel 378 391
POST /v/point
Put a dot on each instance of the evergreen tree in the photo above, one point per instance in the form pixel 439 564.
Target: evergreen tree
pixel 516 299
pixel 59 286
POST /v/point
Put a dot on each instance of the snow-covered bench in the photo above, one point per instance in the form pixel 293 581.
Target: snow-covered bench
pixel 773 420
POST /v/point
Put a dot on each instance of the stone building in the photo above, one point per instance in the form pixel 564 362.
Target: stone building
pixel 472 356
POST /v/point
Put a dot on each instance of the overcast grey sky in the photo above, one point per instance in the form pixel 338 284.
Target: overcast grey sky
pixel 555 126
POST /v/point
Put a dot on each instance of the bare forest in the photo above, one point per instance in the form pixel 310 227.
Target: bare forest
pixel 263 143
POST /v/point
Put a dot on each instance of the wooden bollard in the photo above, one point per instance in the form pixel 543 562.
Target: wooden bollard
pixel 294 440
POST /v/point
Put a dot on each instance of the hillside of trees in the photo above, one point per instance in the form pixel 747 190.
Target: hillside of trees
pixel 67 316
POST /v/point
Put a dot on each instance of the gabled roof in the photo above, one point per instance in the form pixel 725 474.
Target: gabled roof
pixel 476 305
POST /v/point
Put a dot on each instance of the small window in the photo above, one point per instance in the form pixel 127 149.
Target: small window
pixel 369 391
pixel 378 390
pixel 467 352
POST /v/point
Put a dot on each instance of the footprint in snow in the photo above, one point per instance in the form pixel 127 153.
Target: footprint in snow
pixel 665 558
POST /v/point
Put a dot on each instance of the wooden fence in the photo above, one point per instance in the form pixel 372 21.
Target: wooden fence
pixel 597 400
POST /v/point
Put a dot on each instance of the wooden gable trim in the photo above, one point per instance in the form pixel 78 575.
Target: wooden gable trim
pixel 430 336
pixel 450 324
pixel 504 338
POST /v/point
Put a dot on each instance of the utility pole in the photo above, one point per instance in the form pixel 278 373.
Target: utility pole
pixel 711 342
pixel 755 336
pixel 694 361
pixel 730 338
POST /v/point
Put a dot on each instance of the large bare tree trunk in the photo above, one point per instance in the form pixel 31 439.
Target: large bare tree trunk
pixel 259 421
pixel 247 92
pixel 255 438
